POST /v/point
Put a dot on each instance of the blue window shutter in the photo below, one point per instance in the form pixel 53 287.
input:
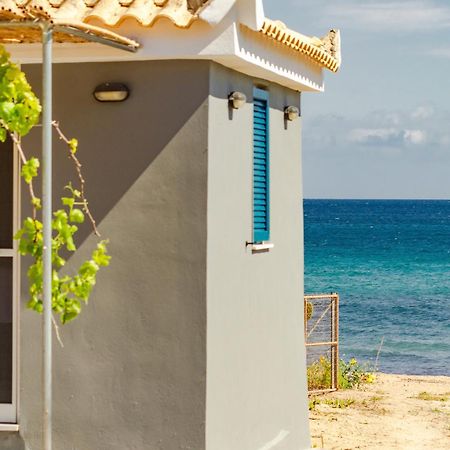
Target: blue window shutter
pixel 261 173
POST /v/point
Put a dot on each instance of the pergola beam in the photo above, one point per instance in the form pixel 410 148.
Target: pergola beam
pixel 69 30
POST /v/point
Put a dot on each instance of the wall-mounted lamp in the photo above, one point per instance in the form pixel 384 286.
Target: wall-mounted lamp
pixel 111 92
pixel 291 113
pixel 237 100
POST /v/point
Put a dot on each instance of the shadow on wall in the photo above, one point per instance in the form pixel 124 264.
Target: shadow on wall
pixel 118 141
pixel 12 441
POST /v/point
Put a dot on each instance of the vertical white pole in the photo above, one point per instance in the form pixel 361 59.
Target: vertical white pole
pixel 47 39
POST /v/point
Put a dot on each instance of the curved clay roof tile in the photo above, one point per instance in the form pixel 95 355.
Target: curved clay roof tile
pixel 110 12
pixel 325 51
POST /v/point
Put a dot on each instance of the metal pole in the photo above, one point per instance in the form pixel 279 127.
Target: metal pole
pixel 47 40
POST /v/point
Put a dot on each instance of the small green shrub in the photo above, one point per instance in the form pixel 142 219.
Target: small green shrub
pixel 338 403
pixel 350 374
pixel 433 397
pixel 319 374
pixel 313 403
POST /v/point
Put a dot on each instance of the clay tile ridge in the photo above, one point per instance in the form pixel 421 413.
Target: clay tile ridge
pixel 108 12
pixel 325 51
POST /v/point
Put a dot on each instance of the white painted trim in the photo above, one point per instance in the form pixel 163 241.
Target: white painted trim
pixel 251 13
pixel 263 246
pixel 228 43
pixel 7 253
pixel 216 11
pixel 272 61
pixel 246 12
pixel 9 427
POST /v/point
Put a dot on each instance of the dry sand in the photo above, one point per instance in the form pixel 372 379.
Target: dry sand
pixel 388 414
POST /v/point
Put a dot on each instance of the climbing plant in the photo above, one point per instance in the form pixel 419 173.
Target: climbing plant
pixel 19 113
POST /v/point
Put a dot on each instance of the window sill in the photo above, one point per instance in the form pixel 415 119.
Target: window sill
pixel 262 247
pixel 9 427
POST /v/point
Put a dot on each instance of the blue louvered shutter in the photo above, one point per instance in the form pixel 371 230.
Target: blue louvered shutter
pixel 261 175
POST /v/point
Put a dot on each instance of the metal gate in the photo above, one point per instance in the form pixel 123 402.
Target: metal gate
pixel 322 341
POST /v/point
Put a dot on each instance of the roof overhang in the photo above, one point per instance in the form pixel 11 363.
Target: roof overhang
pixel 234 33
pixel 30 31
pixel 229 44
pixel 21 22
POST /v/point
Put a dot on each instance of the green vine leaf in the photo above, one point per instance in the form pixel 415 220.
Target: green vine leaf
pixel 19 113
pixel 73 144
pixel 30 170
pixel 19 107
pixel 76 215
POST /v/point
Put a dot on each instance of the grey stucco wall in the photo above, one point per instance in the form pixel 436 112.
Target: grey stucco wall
pixel 190 341
pixel 132 372
pixel 256 384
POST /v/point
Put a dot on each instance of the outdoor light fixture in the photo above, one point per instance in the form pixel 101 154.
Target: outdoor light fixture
pixel 237 100
pixel 291 113
pixel 111 92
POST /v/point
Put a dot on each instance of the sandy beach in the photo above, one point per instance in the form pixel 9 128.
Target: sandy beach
pixel 395 412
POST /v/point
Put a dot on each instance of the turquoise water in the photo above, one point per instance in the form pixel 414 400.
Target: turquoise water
pixel 390 262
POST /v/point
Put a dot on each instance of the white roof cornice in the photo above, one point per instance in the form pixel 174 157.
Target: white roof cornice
pixel 233 33
pixel 232 45
pixel 247 12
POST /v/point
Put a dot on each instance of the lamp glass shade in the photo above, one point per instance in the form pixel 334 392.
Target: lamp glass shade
pixel 291 113
pixel 237 100
pixel 111 92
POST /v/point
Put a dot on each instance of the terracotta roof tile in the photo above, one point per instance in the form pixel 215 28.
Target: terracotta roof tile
pixel 325 51
pixel 109 12
pixel 26 10
pixel 81 13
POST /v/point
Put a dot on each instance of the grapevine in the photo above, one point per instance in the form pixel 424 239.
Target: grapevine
pixel 19 112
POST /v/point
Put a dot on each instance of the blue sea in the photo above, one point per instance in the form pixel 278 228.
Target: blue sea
pixel 390 262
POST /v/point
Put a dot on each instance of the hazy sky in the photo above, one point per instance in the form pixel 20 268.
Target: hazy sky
pixel 382 127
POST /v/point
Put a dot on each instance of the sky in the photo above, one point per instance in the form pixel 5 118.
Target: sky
pixel 381 129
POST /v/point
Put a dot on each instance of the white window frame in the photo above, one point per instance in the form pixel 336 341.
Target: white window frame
pixel 8 411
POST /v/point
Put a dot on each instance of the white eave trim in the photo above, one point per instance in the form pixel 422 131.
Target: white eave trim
pixel 216 11
pixel 246 12
pixel 251 13
pixel 273 61
pixel 229 43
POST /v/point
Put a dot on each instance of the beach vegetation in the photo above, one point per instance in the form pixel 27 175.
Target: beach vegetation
pixel 313 403
pixel 441 411
pixel 433 397
pixel 337 403
pixel 319 374
pixel 351 374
